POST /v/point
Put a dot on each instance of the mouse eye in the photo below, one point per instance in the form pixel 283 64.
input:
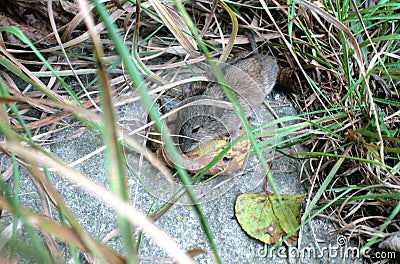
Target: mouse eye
pixel 196 129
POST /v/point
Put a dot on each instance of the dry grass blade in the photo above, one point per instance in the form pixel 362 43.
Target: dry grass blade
pixel 117 170
pixel 199 251
pixel 122 207
pixel 64 233
pixel 28 73
pixel 6 233
pixel 55 117
pixel 138 61
pixel 176 25
pixel 123 134
pixel 341 27
pixel 153 160
pixel 71 26
pixel 291 49
pixel 54 27
pixel 85 36
pixel 50 240
pixel 210 16
pixel 233 34
pixel 369 97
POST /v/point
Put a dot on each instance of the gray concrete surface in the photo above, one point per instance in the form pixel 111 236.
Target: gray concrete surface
pixel 181 222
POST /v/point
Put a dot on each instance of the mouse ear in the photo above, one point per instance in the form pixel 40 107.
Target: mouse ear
pixel 193 89
pixel 186 90
pixel 209 71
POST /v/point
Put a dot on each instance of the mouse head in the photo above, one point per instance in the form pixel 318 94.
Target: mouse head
pixel 200 129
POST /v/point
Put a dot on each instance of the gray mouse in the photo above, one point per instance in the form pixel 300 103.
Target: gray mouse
pixel 250 78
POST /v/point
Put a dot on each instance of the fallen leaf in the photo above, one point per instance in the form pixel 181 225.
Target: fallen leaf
pixel 262 216
pixel 209 146
pixel 201 156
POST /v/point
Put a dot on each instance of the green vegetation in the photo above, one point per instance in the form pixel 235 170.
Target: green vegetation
pixel 341 68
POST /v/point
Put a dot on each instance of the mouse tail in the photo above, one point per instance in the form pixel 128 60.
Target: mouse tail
pixel 253 42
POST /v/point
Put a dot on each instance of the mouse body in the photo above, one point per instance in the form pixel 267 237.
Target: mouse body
pixel 251 79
